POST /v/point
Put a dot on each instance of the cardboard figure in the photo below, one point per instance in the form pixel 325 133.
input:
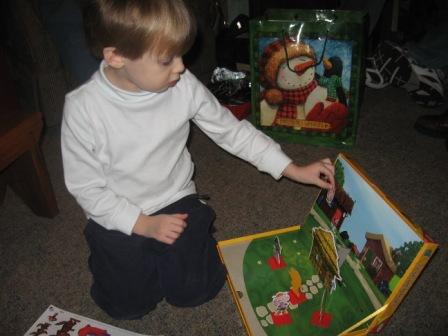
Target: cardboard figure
pixel 276 261
pixel 281 302
pixel 324 257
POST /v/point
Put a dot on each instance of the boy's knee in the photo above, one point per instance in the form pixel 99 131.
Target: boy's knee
pixel 194 295
pixel 124 307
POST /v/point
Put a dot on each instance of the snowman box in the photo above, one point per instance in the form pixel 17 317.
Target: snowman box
pixel 307 75
pixel 344 271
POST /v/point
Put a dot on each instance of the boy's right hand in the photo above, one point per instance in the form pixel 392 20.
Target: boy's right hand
pixel 164 228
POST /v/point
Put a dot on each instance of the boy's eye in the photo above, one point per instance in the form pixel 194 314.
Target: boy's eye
pixel 166 61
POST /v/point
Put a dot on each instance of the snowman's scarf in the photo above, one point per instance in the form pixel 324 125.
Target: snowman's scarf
pixel 292 98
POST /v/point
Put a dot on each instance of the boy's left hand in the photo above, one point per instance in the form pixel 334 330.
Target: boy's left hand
pixel 319 173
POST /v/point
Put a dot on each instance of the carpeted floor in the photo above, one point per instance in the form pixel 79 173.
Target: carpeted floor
pixel 44 261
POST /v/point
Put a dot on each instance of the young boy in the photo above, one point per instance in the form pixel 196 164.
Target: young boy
pixel 124 137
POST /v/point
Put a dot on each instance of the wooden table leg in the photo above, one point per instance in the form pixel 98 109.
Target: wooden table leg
pixel 28 177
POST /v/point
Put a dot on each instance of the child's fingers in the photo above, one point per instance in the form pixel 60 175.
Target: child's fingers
pixel 328 181
pixel 328 172
pixel 167 240
pixel 181 215
pixel 324 184
pixel 177 227
pixel 327 163
pixel 174 228
pixel 172 235
pixel 179 220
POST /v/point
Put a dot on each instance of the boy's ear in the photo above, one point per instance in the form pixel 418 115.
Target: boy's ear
pixel 112 58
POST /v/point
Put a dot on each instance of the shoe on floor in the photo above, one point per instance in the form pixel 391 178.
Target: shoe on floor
pixel 388 65
pixel 426 86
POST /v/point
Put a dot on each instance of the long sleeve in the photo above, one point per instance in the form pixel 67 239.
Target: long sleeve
pixel 240 138
pixel 84 174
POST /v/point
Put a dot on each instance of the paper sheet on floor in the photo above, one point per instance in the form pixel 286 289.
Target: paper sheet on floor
pixel 56 321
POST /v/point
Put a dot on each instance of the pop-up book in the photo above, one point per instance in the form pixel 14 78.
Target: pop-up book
pixel 343 272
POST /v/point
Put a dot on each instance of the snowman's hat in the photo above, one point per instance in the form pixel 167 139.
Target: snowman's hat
pixel 274 55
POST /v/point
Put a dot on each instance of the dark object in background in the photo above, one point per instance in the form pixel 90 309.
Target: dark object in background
pixel 232 43
pixel 417 16
pixel 259 7
pixel 232 89
pixel 433 125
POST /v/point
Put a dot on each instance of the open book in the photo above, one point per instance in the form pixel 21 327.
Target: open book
pixel 343 272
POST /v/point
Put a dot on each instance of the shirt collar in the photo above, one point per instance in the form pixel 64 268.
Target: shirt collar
pixel 116 92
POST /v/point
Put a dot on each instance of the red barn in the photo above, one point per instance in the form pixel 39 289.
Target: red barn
pixel 377 258
pixel 340 207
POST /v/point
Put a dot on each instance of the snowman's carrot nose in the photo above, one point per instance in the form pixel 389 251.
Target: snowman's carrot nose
pixel 302 67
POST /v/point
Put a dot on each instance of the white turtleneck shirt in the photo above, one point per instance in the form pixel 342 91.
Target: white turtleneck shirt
pixel 124 153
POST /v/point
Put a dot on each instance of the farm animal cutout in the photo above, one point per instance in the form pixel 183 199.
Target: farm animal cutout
pixel 293 96
pixel 281 302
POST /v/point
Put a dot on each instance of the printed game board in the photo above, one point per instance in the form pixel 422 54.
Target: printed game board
pixel 343 272
pixel 56 321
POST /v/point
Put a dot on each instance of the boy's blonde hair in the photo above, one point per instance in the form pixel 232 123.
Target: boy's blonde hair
pixel 133 27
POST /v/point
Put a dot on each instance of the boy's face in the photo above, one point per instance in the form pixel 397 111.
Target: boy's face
pixel 150 72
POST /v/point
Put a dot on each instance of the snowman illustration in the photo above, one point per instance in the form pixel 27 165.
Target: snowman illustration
pixel 292 95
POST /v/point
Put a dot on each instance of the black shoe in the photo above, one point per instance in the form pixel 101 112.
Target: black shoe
pixel 433 125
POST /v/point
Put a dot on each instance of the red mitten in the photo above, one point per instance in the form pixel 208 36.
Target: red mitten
pixel 334 114
pixel 336 111
pixel 315 113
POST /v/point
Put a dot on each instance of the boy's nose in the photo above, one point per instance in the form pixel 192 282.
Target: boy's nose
pixel 179 66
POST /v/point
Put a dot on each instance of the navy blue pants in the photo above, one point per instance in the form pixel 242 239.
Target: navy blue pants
pixel 131 274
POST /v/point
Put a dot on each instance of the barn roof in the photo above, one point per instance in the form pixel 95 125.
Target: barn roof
pixel 385 246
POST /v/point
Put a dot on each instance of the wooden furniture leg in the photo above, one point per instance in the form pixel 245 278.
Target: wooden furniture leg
pixel 29 179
